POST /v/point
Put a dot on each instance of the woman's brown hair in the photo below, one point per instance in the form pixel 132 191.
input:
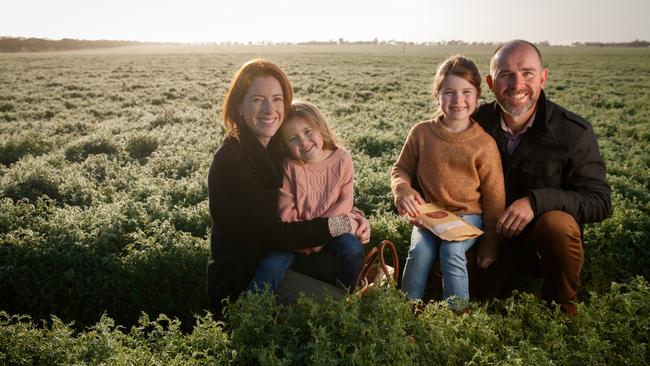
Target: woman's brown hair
pixel 242 82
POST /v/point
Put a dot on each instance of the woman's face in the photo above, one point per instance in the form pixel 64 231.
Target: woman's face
pixel 263 108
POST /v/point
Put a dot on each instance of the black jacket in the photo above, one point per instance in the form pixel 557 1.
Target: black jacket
pixel 243 187
pixel 557 164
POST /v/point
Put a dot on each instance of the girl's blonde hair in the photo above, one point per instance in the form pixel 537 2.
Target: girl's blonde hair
pixel 316 119
pixel 458 65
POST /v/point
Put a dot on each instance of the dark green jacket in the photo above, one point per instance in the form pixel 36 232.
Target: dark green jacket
pixel 557 164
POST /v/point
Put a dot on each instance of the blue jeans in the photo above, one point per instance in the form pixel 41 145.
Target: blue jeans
pixel 347 250
pixel 453 263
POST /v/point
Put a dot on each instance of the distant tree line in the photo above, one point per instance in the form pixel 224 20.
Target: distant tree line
pixel 20 44
pixel 635 43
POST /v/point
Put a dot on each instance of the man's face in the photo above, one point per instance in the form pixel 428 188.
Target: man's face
pixel 517 79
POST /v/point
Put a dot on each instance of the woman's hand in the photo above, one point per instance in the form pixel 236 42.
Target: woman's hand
pixel 360 226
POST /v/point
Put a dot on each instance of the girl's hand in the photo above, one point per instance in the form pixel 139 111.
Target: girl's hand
pixel 409 204
pixel 361 227
pixel 309 251
pixel 416 222
pixel 484 262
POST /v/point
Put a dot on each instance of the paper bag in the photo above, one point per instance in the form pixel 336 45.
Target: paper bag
pixel 445 224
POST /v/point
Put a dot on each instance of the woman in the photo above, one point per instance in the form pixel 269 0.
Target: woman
pixel 243 189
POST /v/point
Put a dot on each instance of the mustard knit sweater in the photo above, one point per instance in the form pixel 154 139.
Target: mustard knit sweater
pixel 462 171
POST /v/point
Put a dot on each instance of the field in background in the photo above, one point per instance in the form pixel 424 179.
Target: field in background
pixel 104 158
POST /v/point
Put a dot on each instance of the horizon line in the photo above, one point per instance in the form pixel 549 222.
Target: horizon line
pixel 339 41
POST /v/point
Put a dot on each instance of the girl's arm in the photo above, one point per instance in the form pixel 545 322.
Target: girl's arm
pixel 402 174
pixel 492 202
pixel 287 208
pixel 345 200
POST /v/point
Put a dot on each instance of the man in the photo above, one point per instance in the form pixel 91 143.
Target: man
pixel 554 174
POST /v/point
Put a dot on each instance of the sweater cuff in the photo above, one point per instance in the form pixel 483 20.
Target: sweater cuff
pixel 339 225
pixel 404 189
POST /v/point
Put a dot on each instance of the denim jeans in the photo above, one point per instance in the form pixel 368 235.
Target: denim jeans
pixel 453 263
pixel 347 250
pixel 271 270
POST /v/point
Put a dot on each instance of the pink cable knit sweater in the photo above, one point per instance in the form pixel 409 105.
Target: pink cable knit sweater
pixel 311 190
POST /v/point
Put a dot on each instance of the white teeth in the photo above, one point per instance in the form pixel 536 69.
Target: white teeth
pixel 518 95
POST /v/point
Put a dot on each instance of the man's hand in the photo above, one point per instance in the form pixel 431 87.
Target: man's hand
pixel 515 218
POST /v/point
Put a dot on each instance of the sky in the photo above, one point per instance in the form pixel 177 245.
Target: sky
pixel 555 21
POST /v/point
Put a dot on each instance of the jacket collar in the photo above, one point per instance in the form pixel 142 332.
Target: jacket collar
pixel 259 155
pixel 540 125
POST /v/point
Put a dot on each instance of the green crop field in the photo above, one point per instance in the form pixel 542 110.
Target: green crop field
pixel 104 213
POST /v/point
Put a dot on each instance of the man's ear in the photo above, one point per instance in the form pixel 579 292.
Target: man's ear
pixel 544 77
pixel 488 80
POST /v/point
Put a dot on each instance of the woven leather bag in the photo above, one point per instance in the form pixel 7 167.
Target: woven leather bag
pixel 375 271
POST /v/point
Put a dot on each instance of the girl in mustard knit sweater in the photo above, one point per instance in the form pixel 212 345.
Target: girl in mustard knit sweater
pixel 318 181
pixel 457 165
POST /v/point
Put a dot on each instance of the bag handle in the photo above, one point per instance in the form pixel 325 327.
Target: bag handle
pixel 391 247
pixel 361 280
pixel 376 254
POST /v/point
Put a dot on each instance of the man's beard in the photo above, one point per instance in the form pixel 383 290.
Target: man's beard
pixel 508 107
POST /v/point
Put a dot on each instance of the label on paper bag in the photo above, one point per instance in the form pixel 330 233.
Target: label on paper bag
pixel 446 225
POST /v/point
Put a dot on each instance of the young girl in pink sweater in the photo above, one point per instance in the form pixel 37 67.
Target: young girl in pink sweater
pixel 318 181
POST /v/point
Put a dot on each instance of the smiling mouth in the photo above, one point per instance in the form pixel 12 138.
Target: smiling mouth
pixel 267 121
pixel 516 102
pixel 518 95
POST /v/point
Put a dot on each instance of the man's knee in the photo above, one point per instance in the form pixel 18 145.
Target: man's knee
pixel 557 223
pixel 558 238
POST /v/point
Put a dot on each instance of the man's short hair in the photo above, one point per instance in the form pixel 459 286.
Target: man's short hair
pixel 513 42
